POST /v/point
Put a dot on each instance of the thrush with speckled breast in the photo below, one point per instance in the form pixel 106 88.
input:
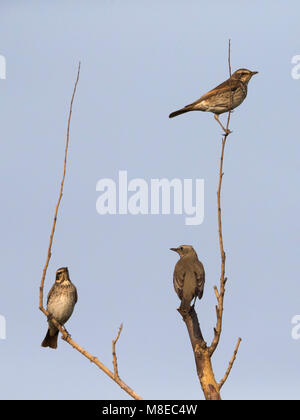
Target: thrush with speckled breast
pixel 61 300
pixel 189 277
pixel 223 98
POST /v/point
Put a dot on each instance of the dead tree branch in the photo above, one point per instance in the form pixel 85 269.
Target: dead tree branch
pixel 221 383
pixel 60 193
pixel 113 375
pixel 204 368
pixel 115 361
pixel 221 292
pixel 202 352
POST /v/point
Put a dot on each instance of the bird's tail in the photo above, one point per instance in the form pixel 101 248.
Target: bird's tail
pixel 180 111
pixel 50 340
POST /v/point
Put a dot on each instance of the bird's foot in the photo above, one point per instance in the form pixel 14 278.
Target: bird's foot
pixel 49 317
pixel 227 132
pixel 184 312
pixel 67 336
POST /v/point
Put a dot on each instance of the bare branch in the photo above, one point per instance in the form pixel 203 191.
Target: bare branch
pixel 202 352
pixel 216 292
pixel 60 193
pixel 65 334
pixel 204 368
pixel 221 383
pixel 231 96
pixel 115 361
pixel 220 294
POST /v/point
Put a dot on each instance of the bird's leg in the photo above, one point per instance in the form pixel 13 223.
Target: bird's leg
pixel 224 129
pixel 68 334
pixel 193 305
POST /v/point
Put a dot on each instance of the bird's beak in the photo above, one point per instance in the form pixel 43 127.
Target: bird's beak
pixel 254 72
pixel 174 249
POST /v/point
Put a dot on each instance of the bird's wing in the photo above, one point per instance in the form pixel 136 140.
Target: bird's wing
pixel 178 281
pixel 200 278
pixel 222 88
pixel 76 295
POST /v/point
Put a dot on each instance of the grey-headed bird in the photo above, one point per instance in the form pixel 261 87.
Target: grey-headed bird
pixel 189 277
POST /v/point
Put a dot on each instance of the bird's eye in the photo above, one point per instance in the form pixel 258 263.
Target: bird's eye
pixel 181 248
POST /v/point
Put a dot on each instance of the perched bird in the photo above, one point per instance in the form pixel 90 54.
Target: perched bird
pixel 60 304
pixel 189 277
pixel 227 96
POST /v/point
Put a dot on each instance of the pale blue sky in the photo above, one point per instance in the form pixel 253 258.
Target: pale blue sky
pixel 140 61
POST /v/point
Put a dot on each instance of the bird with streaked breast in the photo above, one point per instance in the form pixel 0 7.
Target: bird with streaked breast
pixel 188 278
pixel 226 96
pixel 61 300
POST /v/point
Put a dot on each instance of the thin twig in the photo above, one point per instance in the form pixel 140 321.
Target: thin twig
pixel 65 335
pixel 60 193
pixel 221 383
pixel 221 292
pixel 231 93
pixel 115 361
